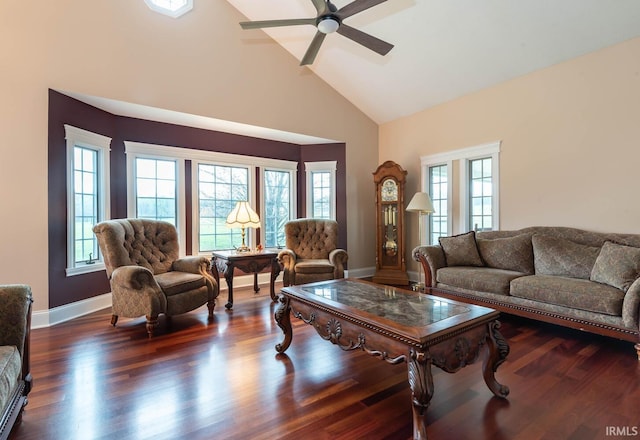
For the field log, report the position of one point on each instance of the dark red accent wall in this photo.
(66, 110)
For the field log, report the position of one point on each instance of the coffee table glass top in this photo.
(406, 308)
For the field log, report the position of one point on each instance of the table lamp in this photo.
(242, 216)
(420, 203)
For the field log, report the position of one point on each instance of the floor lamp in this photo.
(420, 203)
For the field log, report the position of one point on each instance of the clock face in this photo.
(389, 191)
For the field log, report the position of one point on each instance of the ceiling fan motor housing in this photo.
(328, 24)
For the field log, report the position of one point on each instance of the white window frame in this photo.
(157, 6)
(490, 150)
(427, 188)
(322, 166)
(280, 166)
(102, 145)
(464, 156)
(138, 150)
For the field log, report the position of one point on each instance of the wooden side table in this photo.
(248, 262)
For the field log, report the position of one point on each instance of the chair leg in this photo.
(211, 305)
(114, 320)
(152, 322)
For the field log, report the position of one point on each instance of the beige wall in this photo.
(570, 142)
(202, 64)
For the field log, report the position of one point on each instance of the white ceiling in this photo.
(446, 48)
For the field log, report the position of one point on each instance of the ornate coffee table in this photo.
(398, 326)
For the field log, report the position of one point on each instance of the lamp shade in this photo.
(242, 216)
(421, 202)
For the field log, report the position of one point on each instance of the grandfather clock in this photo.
(391, 267)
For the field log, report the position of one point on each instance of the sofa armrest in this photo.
(431, 258)
(192, 264)
(631, 306)
(15, 323)
(338, 257)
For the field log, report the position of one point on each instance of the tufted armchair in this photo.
(311, 253)
(146, 275)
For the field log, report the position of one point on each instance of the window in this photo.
(155, 189)
(478, 190)
(438, 190)
(219, 188)
(321, 193)
(278, 205)
(172, 8)
(480, 194)
(87, 197)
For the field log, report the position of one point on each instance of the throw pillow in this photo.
(562, 257)
(617, 265)
(461, 250)
(509, 253)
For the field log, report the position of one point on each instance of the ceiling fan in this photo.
(330, 19)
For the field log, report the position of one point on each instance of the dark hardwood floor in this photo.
(224, 380)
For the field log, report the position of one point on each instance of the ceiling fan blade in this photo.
(277, 23)
(357, 6)
(320, 5)
(368, 41)
(314, 47)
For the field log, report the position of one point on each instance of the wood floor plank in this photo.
(223, 379)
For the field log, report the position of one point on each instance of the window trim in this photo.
(321, 166)
(102, 145)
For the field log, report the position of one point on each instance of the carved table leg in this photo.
(282, 316)
(228, 275)
(256, 287)
(275, 271)
(421, 383)
(498, 351)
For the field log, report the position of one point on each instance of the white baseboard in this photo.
(57, 315)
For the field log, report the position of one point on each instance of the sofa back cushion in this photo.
(509, 253)
(562, 257)
(461, 250)
(617, 265)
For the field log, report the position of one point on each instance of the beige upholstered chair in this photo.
(147, 277)
(311, 253)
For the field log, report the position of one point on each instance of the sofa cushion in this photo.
(570, 292)
(461, 250)
(173, 283)
(10, 367)
(313, 266)
(617, 265)
(481, 279)
(509, 253)
(562, 257)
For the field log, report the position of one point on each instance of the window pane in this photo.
(219, 188)
(277, 206)
(481, 192)
(85, 203)
(321, 194)
(156, 189)
(438, 190)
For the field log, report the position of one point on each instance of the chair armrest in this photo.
(15, 322)
(133, 277)
(287, 259)
(431, 258)
(631, 306)
(192, 264)
(338, 257)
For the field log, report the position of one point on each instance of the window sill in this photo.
(85, 268)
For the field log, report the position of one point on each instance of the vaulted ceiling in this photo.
(445, 48)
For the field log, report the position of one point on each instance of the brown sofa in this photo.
(15, 376)
(572, 277)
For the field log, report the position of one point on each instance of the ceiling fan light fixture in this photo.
(328, 25)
